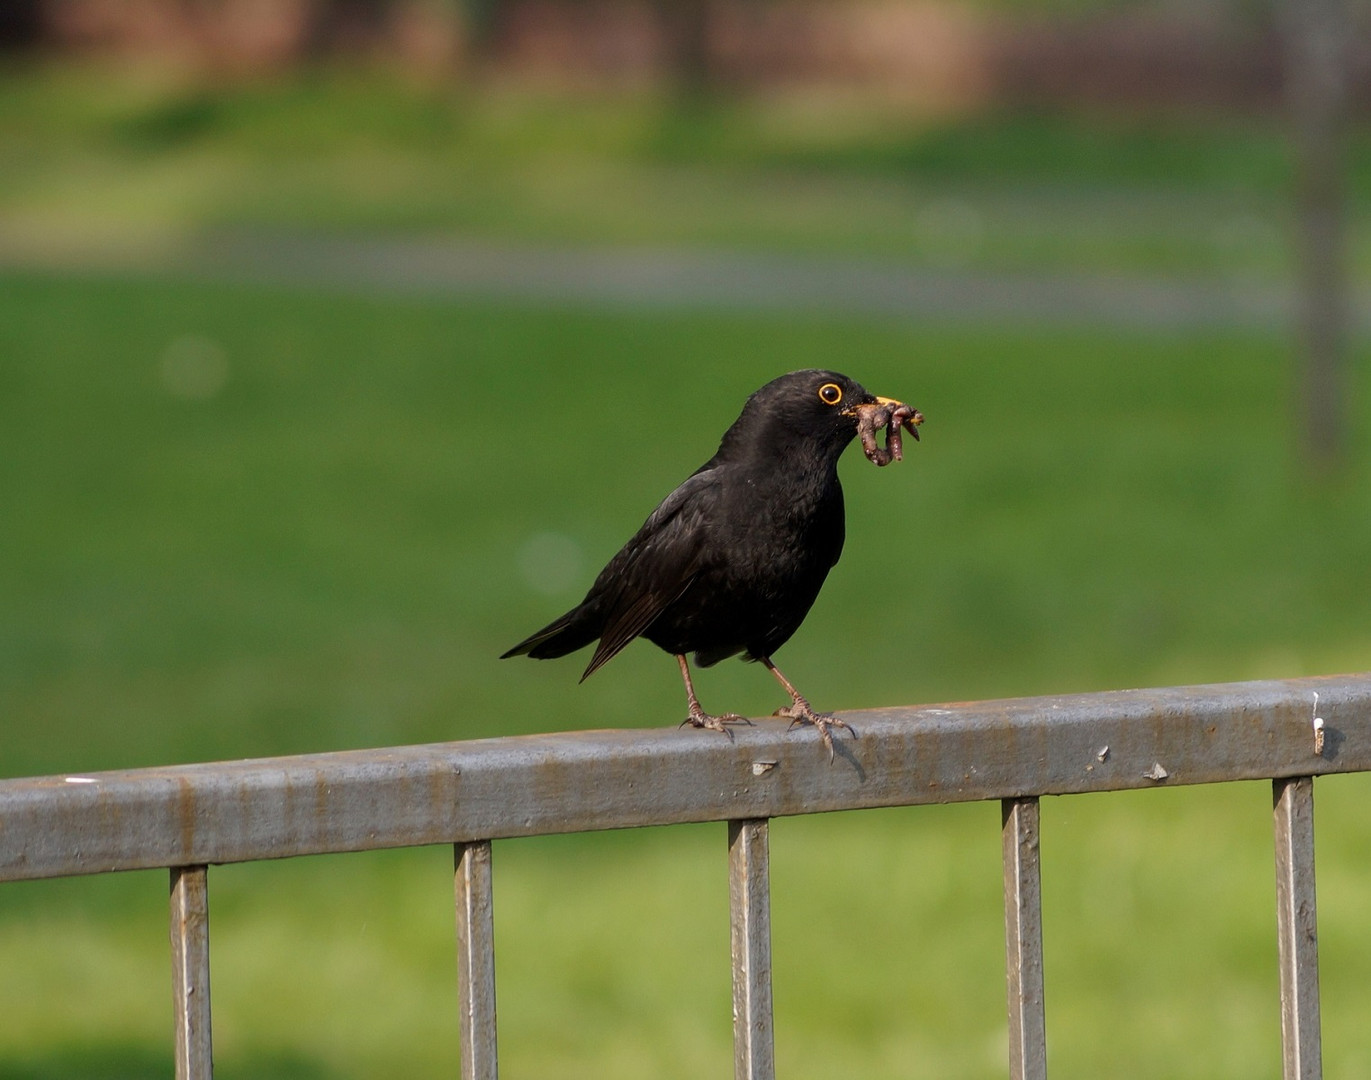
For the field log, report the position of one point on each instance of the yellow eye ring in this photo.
(830, 393)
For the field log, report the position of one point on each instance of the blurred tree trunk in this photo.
(484, 25)
(21, 24)
(1316, 57)
(334, 26)
(684, 26)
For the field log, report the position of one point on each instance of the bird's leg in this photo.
(801, 711)
(698, 717)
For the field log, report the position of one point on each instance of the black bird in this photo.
(732, 560)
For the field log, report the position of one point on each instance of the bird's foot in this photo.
(700, 719)
(803, 713)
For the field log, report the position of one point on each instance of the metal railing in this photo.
(470, 793)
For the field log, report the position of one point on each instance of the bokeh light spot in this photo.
(194, 368)
(550, 563)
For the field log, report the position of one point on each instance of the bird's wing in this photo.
(655, 567)
(565, 634)
(628, 624)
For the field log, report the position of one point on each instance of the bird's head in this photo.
(821, 412)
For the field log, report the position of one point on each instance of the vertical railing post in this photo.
(1297, 927)
(476, 961)
(1023, 938)
(749, 895)
(190, 972)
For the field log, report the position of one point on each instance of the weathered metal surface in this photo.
(1023, 938)
(1297, 928)
(749, 896)
(190, 972)
(476, 961)
(577, 781)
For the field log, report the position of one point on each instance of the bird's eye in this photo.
(830, 393)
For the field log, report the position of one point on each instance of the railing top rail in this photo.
(483, 789)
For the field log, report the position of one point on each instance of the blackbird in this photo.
(732, 560)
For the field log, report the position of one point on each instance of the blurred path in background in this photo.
(665, 278)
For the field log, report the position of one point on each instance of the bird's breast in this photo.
(776, 531)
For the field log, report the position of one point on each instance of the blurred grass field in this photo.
(97, 155)
(242, 521)
(329, 541)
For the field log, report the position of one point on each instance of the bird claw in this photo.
(892, 416)
(701, 719)
(803, 713)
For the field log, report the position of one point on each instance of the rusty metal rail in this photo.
(470, 793)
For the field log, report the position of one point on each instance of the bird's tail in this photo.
(574, 630)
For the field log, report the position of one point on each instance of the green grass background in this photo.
(331, 550)
(143, 158)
